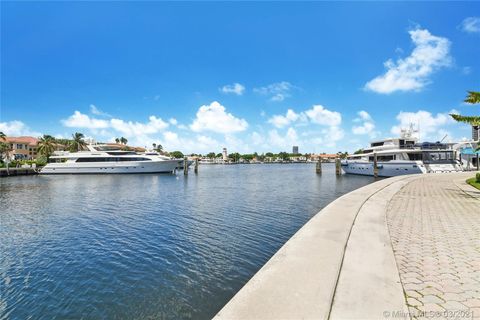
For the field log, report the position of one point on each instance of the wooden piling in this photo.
(318, 166)
(478, 162)
(338, 167)
(185, 166)
(196, 165)
(375, 165)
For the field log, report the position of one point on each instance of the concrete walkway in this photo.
(434, 224)
(379, 252)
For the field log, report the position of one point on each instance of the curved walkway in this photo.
(434, 224)
(341, 265)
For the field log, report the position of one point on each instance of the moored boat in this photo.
(102, 159)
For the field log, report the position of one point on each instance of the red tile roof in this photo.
(26, 140)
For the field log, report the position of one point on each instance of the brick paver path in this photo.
(435, 231)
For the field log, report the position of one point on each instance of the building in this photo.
(225, 154)
(475, 133)
(22, 148)
(324, 157)
(295, 150)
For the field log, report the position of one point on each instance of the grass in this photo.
(473, 182)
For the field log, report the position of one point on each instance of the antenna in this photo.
(444, 137)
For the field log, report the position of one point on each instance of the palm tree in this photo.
(123, 140)
(77, 143)
(4, 150)
(46, 145)
(159, 148)
(117, 140)
(2, 136)
(154, 145)
(473, 97)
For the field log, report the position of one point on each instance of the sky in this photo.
(251, 76)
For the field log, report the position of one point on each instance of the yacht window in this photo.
(415, 156)
(111, 159)
(377, 144)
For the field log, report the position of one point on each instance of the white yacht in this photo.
(108, 159)
(404, 155)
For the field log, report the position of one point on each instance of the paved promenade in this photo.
(402, 248)
(435, 231)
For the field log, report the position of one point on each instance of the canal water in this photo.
(149, 246)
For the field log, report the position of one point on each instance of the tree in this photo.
(473, 97)
(284, 156)
(358, 151)
(117, 140)
(177, 154)
(4, 150)
(234, 156)
(159, 148)
(123, 140)
(2, 136)
(211, 155)
(77, 143)
(269, 154)
(46, 146)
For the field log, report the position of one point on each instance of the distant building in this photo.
(295, 150)
(475, 133)
(224, 154)
(22, 148)
(323, 157)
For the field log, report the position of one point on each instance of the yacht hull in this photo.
(385, 169)
(124, 167)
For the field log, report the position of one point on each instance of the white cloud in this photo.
(412, 73)
(80, 120)
(17, 128)
(213, 117)
(281, 121)
(196, 144)
(286, 142)
(131, 129)
(94, 110)
(320, 115)
(367, 125)
(277, 91)
(137, 130)
(471, 25)
(429, 125)
(235, 88)
(173, 121)
(332, 135)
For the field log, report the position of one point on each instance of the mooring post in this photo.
(375, 165)
(185, 165)
(196, 165)
(478, 163)
(338, 167)
(318, 166)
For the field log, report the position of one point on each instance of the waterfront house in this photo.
(22, 148)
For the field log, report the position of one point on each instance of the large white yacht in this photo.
(109, 159)
(404, 155)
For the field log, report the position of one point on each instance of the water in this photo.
(149, 246)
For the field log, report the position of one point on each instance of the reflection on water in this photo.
(149, 246)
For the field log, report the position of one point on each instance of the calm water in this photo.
(149, 246)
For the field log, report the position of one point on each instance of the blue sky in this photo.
(254, 76)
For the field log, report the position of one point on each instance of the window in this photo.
(110, 159)
(19, 146)
(415, 156)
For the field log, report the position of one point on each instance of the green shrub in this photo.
(477, 177)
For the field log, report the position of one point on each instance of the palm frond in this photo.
(473, 97)
(472, 120)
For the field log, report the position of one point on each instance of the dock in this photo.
(404, 247)
(17, 172)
